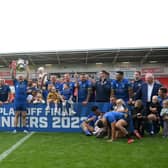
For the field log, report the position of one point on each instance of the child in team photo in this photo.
(164, 115)
(154, 114)
(138, 116)
(53, 97)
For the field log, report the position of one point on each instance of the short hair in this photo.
(105, 72)
(94, 108)
(120, 72)
(100, 124)
(139, 72)
(163, 89)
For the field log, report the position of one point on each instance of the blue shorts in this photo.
(20, 107)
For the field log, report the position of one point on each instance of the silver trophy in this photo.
(21, 64)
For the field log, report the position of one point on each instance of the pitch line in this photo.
(15, 146)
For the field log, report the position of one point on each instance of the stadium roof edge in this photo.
(86, 51)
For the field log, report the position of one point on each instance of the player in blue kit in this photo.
(20, 104)
(54, 81)
(84, 89)
(113, 121)
(88, 124)
(66, 92)
(83, 92)
(121, 87)
(4, 92)
(67, 80)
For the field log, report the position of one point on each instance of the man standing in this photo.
(83, 87)
(148, 89)
(20, 104)
(137, 83)
(102, 89)
(54, 80)
(4, 92)
(121, 87)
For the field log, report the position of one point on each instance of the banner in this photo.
(65, 119)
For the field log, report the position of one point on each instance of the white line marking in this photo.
(15, 146)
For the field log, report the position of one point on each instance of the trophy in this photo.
(41, 76)
(41, 73)
(20, 65)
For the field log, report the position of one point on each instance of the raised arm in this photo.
(27, 72)
(13, 74)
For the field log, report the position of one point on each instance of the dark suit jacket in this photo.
(143, 92)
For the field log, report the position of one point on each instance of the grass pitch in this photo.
(75, 150)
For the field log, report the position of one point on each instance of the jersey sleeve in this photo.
(113, 84)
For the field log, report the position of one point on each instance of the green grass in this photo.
(75, 150)
(7, 139)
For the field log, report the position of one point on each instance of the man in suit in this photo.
(148, 89)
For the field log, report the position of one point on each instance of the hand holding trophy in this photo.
(21, 64)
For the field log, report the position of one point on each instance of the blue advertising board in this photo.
(39, 119)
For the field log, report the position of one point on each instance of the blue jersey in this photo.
(136, 86)
(83, 90)
(45, 94)
(67, 93)
(70, 84)
(4, 91)
(121, 89)
(92, 123)
(113, 116)
(103, 90)
(31, 89)
(20, 91)
(57, 85)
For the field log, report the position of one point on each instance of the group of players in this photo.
(126, 106)
(135, 108)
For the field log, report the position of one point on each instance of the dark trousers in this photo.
(165, 127)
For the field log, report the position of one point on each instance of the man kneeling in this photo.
(114, 121)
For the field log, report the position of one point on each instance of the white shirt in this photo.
(149, 90)
(37, 101)
(29, 98)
